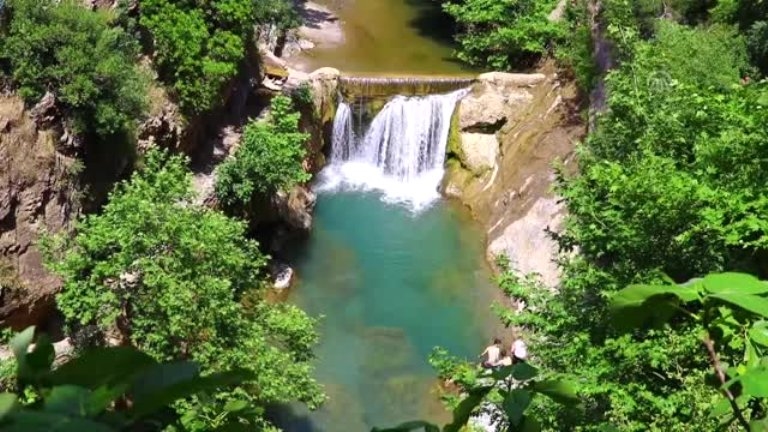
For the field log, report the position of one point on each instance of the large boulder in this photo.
(295, 207)
(482, 111)
(479, 151)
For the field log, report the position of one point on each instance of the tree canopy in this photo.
(182, 282)
(88, 64)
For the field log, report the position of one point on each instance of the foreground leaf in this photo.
(560, 391)
(738, 283)
(462, 412)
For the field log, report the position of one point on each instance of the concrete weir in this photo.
(352, 87)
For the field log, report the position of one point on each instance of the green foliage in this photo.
(83, 394)
(302, 95)
(182, 282)
(199, 46)
(757, 45)
(268, 159)
(77, 55)
(668, 189)
(730, 312)
(503, 35)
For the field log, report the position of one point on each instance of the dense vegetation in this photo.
(199, 46)
(268, 159)
(670, 187)
(88, 64)
(181, 282)
(503, 34)
(82, 393)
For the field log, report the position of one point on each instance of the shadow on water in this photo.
(431, 22)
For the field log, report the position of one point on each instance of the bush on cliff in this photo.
(74, 53)
(199, 46)
(269, 158)
(182, 282)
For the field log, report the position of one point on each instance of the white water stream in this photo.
(401, 154)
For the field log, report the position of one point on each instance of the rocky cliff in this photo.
(505, 136)
(38, 194)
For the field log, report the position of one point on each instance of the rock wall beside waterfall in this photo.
(38, 194)
(506, 135)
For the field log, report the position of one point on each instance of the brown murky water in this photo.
(384, 37)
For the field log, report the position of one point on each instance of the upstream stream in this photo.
(393, 268)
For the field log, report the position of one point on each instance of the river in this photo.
(393, 269)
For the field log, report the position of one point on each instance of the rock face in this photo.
(508, 132)
(37, 189)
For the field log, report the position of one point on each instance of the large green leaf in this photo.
(7, 404)
(530, 424)
(755, 304)
(152, 402)
(639, 305)
(41, 358)
(42, 421)
(561, 391)
(635, 295)
(20, 344)
(102, 367)
(515, 403)
(754, 381)
(740, 283)
(462, 412)
(523, 371)
(759, 333)
(410, 426)
(160, 376)
(68, 399)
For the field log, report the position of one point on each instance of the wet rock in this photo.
(282, 276)
(295, 207)
(479, 151)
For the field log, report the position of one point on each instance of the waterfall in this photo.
(400, 153)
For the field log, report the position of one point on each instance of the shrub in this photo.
(199, 46)
(171, 278)
(503, 35)
(76, 54)
(268, 159)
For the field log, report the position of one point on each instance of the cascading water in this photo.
(401, 153)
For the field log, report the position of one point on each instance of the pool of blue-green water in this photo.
(390, 285)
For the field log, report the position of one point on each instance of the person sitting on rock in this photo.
(491, 353)
(519, 350)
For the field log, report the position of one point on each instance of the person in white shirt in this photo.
(491, 353)
(519, 351)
